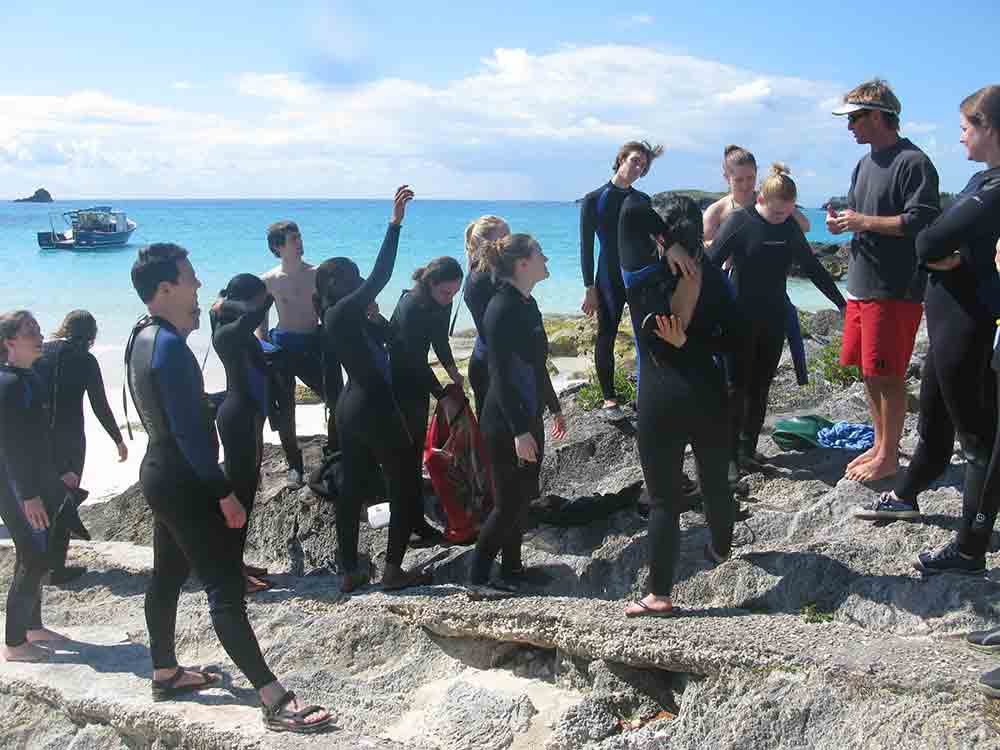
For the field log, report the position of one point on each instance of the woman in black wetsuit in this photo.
(242, 306)
(764, 240)
(479, 290)
(370, 425)
(682, 326)
(30, 488)
(69, 371)
(520, 389)
(957, 390)
(420, 321)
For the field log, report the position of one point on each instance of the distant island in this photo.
(41, 196)
(703, 198)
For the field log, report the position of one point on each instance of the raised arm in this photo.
(99, 400)
(359, 300)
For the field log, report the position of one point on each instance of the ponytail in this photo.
(779, 185)
(502, 255)
(484, 229)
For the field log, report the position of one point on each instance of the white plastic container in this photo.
(378, 515)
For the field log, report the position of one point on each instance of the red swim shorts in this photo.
(879, 335)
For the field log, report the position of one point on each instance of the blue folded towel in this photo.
(852, 437)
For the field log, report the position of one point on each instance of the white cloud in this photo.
(523, 125)
(181, 85)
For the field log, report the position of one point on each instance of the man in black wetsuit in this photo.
(605, 290)
(191, 500)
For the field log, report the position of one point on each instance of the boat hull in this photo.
(83, 240)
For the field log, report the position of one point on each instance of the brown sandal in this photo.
(280, 718)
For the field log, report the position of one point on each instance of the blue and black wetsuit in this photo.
(241, 415)
(520, 389)
(479, 290)
(182, 483)
(684, 400)
(370, 426)
(599, 214)
(762, 253)
(26, 472)
(957, 396)
(69, 371)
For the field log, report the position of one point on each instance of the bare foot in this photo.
(880, 468)
(45, 635)
(26, 652)
(650, 605)
(864, 458)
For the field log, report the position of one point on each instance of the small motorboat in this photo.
(99, 226)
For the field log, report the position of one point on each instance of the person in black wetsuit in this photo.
(371, 427)
(764, 240)
(69, 371)
(605, 290)
(520, 389)
(479, 290)
(420, 321)
(242, 306)
(195, 511)
(684, 322)
(957, 390)
(30, 489)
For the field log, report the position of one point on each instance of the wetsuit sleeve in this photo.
(922, 199)
(588, 228)
(181, 396)
(358, 301)
(728, 240)
(247, 317)
(953, 229)
(439, 338)
(23, 465)
(99, 400)
(501, 336)
(815, 270)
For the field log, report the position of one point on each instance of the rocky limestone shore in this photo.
(815, 634)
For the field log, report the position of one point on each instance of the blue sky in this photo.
(506, 100)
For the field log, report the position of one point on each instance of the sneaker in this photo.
(294, 480)
(948, 559)
(985, 640)
(989, 684)
(887, 507)
(612, 414)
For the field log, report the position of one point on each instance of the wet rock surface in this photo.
(816, 633)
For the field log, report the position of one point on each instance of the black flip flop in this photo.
(166, 689)
(278, 718)
(648, 612)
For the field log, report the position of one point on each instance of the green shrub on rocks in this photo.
(590, 396)
(826, 365)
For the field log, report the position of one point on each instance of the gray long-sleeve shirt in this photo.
(896, 181)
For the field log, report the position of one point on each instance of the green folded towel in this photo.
(799, 433)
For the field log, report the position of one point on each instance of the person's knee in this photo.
(226, 595)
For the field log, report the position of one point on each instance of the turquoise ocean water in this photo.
(227, 237)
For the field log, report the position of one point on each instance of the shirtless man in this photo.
(292, 284)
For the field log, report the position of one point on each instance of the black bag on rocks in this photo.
(326, 480)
